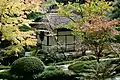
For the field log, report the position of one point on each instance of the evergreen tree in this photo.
(114, 13)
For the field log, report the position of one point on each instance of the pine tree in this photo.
(114, 13)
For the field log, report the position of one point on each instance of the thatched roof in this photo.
(57, 21)
(53, 20)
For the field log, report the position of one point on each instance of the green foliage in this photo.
(114, 13)
(85, 58)
(49, 56)
(24, 28)
(49, 2)
(117, 36)
(88, 10)
(90, 26)
(27, 66)
(96, 71)
(55, 73)
(118, 27)
(5, 75)
(13, 14)
(34, 15)
(82, 66)
(13, 50)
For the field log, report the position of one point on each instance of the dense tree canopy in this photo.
(93, 29)
(13, 14)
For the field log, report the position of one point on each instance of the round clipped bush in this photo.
(27, 66)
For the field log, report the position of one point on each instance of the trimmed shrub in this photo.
(56, 73)
(82, 66)
(93, 70)
(85, 58)
(27, 66)
(52, 72)
(5, 75)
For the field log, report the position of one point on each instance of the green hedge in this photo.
(92, 69)
(55, 73)
(52, 72)
(6, 75)
(82, 66)
(27, 66)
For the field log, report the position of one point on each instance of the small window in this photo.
(66, 40)
(51, 40)
(61, 39)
